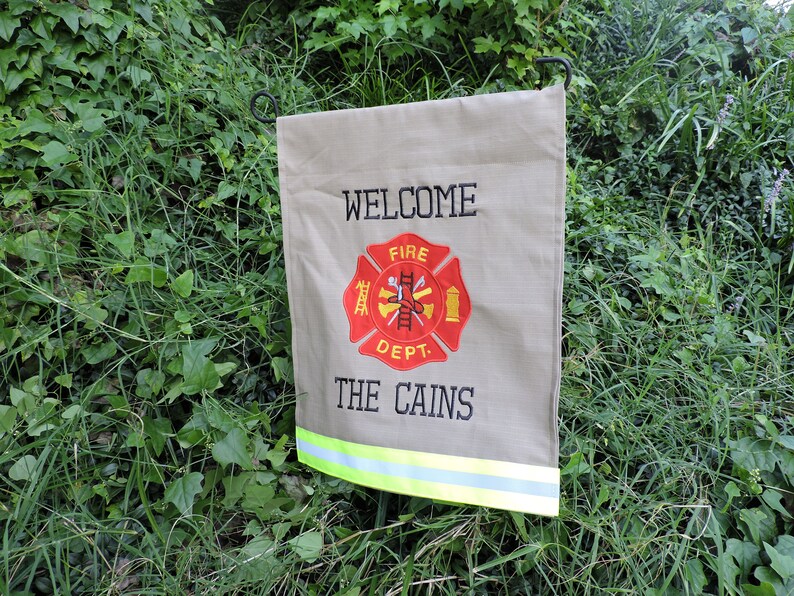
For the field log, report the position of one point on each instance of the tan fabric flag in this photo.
(424, 253)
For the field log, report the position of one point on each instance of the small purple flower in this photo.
(726, 108)
(778, 186)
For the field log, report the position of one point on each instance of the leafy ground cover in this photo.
(146, 432)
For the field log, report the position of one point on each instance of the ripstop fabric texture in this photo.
(424, 255)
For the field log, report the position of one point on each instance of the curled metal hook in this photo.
(259, 116)
(562, 61)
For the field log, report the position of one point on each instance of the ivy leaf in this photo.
(233, 487)
(758, 523)
(182, 491)
(149, 382)
(257, 496)
(23, 469)
(767, 577)
(90, 117)
(233, 449)
(54, 153)
(8, 25)
(282, 369)
(198, 371)
(138, 75)
(158, 430)
(753, 454)
(744, 553)
(782, 556)
(69, 14)
(307, 546)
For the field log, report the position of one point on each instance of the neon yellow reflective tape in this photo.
(434, 460)
(437, 490)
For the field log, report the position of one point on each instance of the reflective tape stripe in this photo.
(433, 460)
(348, 463)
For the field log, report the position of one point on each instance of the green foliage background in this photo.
(146, 430)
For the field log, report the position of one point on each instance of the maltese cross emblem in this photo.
(411, 298)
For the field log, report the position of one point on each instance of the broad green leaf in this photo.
(96, 353)
(55, 152)
(258, 551)
(64, 380)
(23, 469)
(98, 65)
(144, 270)
(307, 546)
(23, 401)
(100, 5)
(68, 12)
(35, 121)
(16, 196)
(233, 449)
(183, 285)
(73, 411)
(14, 78)
(765, 575)
(282, 369)
(158, 243)
(7, 57)
(576, 466)
(158, 430)
(696, 576)
(8, 415)
(119, 404)
(225, 190)
(754, 339)
(8, 25)
(774, 500)
(759, 524)
(138, 75)
(746, 554)
(182, 491)
(91, 118)
(135, 439)
(34, 246)
(17, 7)
(224, 368)
(763, 589)
(781, 557)
(93, 316)
(200, 375)
(256, 496)
(233, 487)
(276, 457)
(193, 432)
(182, 316)
(149, 383)
(753, 454)
(198, 371)
(786, 441)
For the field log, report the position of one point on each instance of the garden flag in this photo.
(424, 255)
